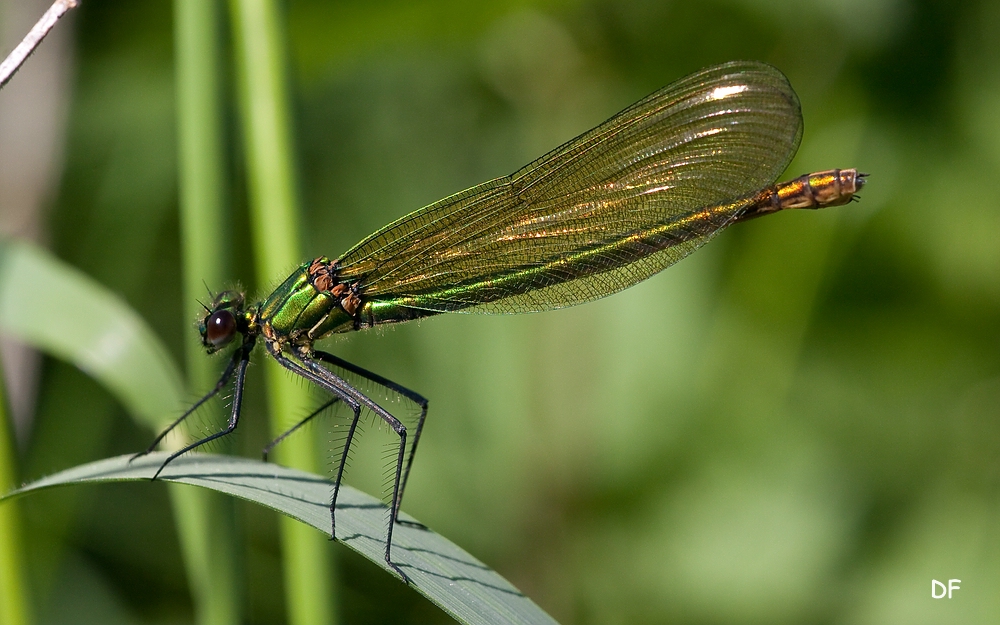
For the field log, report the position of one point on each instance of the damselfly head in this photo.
(223, 320)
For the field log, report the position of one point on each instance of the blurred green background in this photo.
(798, 424)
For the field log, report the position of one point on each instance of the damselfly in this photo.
(592, 217)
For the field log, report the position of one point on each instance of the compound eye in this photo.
(220, 328)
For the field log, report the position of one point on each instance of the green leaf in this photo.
(462, 586)
(64, 312)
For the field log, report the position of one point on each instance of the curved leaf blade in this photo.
(66, 313)
(449, 577)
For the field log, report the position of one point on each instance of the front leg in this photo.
(234, 417)
(223, 380)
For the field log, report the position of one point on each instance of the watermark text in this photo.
(945, 591)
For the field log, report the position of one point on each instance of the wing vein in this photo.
(599, 213)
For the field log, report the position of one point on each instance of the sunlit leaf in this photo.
(62, 311)
(462, 586)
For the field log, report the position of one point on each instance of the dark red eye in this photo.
(220, 328)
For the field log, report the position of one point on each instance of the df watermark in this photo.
(939, 590)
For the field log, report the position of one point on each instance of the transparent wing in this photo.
(599, 213)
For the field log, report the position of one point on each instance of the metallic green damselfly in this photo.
(596, 215)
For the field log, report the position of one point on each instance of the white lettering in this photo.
(934, 585)
(953, 584)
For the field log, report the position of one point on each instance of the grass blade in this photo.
(205, 520)
(462, 586)
(15, 606)
(310, 591)
(64, 312)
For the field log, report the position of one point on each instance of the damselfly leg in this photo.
(311, 369)
(356, 417)
(234, 416)
(223, 380)
(413, 396)
(315, 413)
(238, 364)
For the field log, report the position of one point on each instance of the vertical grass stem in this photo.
(15, 606)
(263, 92)
(205, 520)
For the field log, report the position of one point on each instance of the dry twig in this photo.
(34, 37)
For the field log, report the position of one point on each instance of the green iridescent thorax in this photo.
(297, 311)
